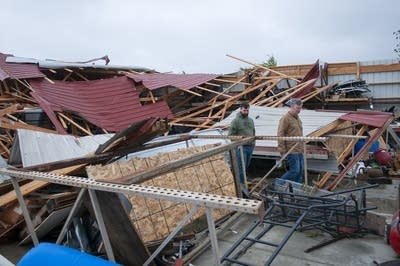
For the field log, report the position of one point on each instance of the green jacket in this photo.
(242, 126)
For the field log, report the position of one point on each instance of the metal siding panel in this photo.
(39, 148)
(268, 119)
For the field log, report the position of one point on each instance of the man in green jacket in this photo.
(243, 125)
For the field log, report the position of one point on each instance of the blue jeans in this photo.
(247, 152)
(296, 168)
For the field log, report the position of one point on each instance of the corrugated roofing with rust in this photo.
(112, 104)
(180, 81)
(18, 71)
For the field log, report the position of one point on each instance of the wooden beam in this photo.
(264, 92)
(81, 76)
(192, 92)
(75, 124)
(232, 81)
(4, 148)
(263, 67)
(14, 125)
(213, 84)
(32, 186)
(67, 76)
(49, 80)
(215, 92)
(321, 183)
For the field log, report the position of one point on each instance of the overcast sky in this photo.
(195, 36)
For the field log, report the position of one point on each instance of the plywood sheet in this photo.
(155, 219)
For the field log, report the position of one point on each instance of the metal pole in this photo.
(243, 166)
(171, 235)
(71, 215)
(213, 236)
(102, 227)
(25, 212)
(305, 164)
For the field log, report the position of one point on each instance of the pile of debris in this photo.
(85, 133)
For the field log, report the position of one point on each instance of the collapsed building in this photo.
(94, 132)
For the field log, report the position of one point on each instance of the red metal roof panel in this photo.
(18, 71)
(112, 104)
(181, 81)
(375, 119)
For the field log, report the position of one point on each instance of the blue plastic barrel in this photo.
(360, 143)
(47, 254)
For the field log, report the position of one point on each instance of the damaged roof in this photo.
(181, 81)
(375, 119)
(55, 64)
(112, 104)
(17, 71)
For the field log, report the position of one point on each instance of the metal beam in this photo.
(25, 212)
(195, 198)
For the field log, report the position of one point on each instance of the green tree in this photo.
(270, 62)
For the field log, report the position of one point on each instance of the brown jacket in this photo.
(290, 126)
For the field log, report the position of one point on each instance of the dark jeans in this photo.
(247, 152)
(296, 168)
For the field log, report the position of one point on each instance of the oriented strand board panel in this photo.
(337, 144)
(155, 219)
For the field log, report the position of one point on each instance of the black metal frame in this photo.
(300, 208)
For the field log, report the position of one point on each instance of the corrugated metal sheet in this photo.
(52, 64)
(111, 104)
(181, 81)
(375, 119)
(179, 145)
(18, 71)
(266, 120)
(34, 147)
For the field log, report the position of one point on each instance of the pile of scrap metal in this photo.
(351, 89)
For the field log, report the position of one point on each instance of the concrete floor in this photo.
(359, 251)
(354, 251)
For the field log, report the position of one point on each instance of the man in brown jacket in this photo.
(289, 126)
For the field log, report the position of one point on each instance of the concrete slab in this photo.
(359, 251)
